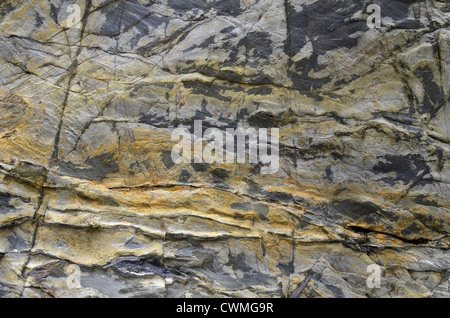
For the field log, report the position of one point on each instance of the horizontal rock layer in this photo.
(87, 178)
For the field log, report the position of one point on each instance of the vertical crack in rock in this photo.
(72, 72)
(36, 220)
(288, 33)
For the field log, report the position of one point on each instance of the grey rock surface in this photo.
(92, 203)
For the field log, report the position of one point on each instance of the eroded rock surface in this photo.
(87, 178)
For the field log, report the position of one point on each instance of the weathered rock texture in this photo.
(86, 175)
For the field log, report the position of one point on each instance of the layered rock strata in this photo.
(87, 180)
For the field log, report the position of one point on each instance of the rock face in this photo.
(93, 205)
